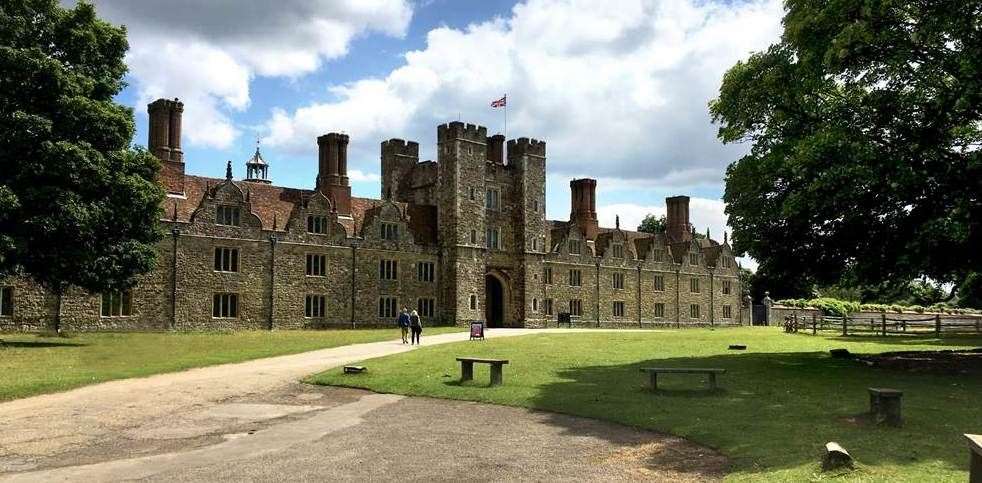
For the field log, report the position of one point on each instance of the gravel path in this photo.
(253, 421)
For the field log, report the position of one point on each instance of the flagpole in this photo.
(504, 149)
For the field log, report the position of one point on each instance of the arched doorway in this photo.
(494, 306)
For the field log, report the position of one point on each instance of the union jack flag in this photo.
(500, 102)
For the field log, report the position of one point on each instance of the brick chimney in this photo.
(496, 149)
(677, 225)
(584, 206)
(165, 142)
(332, 170)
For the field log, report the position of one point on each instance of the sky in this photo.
(618, 90)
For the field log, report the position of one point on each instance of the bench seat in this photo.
(482, 361)
(467, 368)
(710, 371)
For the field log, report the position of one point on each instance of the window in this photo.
(535, 305)
(694, 285)
(659, 255)
(114, 304)
(547, 275)
(387, 307)
(492, 239)
(227, 215)
(618, 280)
(726, 262)
(659, 283)
(575, 278)
(535, 244)
(314, 307)
(316, 224)
(727, 311)
(618, 309)
(425, 271)
(493, 199)
(388, 269)
(693, 259)
(425, 307)
(547, 306)
(472, 194)
(617, 251)
(694, 311)
(389, 231)
(473, 302)
(225, 305)
(574, 247)
(226, 259)
(659, 310)
(535, 206)
(316, 265)
(6, 301)
(576, 307)
(727, 287)
(473, 237)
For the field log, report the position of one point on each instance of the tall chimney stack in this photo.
(165, 141)
(584, 206)
(677, 225)
(332, 170)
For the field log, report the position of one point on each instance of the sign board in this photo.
(477, 329)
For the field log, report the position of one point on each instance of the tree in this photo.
(864, 126)
(657, 224)
(78, 206)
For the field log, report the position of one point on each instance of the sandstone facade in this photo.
(461, 238)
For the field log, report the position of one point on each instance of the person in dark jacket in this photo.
(404, 324)
(416, 326)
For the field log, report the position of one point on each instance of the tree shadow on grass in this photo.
(26, 344)
(914, 340)
(775, 411)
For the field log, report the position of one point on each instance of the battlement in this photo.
(526, 146)
(399, 147)
(332, 137)
(459, 130)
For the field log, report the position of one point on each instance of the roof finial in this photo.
(228, 170)
(726, 239)
(617, 221)
(707, 234)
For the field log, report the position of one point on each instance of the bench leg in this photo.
(654, 380)
(496, 374)
(712, 381)
(466, 371)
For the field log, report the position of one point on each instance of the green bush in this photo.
(916, 308)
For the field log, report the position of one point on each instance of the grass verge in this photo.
(782, 399)
(31, 365)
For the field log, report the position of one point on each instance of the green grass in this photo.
(783, 398)
(32, 365)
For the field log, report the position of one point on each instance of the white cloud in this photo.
(617, 92)
(358, 175)
(206, 53)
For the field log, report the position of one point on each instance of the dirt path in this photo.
(253, 421)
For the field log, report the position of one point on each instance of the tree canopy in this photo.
(78, 205)
(865, 130)
(658, 224)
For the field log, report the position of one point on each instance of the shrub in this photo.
(897, 308)
(916, 308)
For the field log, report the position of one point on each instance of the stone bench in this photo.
(654, 371)
(975, 464)
(885, 405)
(467, 368)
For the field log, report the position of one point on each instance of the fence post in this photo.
(814, 325)
(937, 324)
(884, 318)
(845, 329)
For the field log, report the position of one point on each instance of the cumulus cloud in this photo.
(207, 53)
(616, 92)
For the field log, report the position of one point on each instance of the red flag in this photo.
(500, 102)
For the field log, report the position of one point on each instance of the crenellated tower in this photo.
(399, 158)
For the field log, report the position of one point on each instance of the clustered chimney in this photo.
(165, 141)
(584, 206)
(677, 225)
(332, 170)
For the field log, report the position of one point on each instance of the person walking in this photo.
(416, 326)
(404, 324)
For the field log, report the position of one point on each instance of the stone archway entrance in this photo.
(495, 296)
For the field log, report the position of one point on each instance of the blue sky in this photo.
(619, 93)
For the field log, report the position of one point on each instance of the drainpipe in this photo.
(678, 300)
(272, 278)
(354, 249)
(638, 306)
(598, 292)
(712, 299)
(175, 233)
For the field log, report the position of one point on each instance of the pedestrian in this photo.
(404, 324)
(416, 326)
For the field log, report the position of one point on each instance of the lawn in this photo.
(782, 399)
(32, 365)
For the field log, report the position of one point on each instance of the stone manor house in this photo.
(461, 238)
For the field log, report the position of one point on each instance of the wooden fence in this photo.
(883, 325)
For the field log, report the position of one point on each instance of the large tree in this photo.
(865, 127)
(78, 206)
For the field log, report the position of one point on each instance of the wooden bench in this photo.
(654, 371)
(975, 461)
(467, 368)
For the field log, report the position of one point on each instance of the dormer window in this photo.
(693, 259)
(227, 215)
(389, 231)
(618, 251)
(575, 248)
(317, 224)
